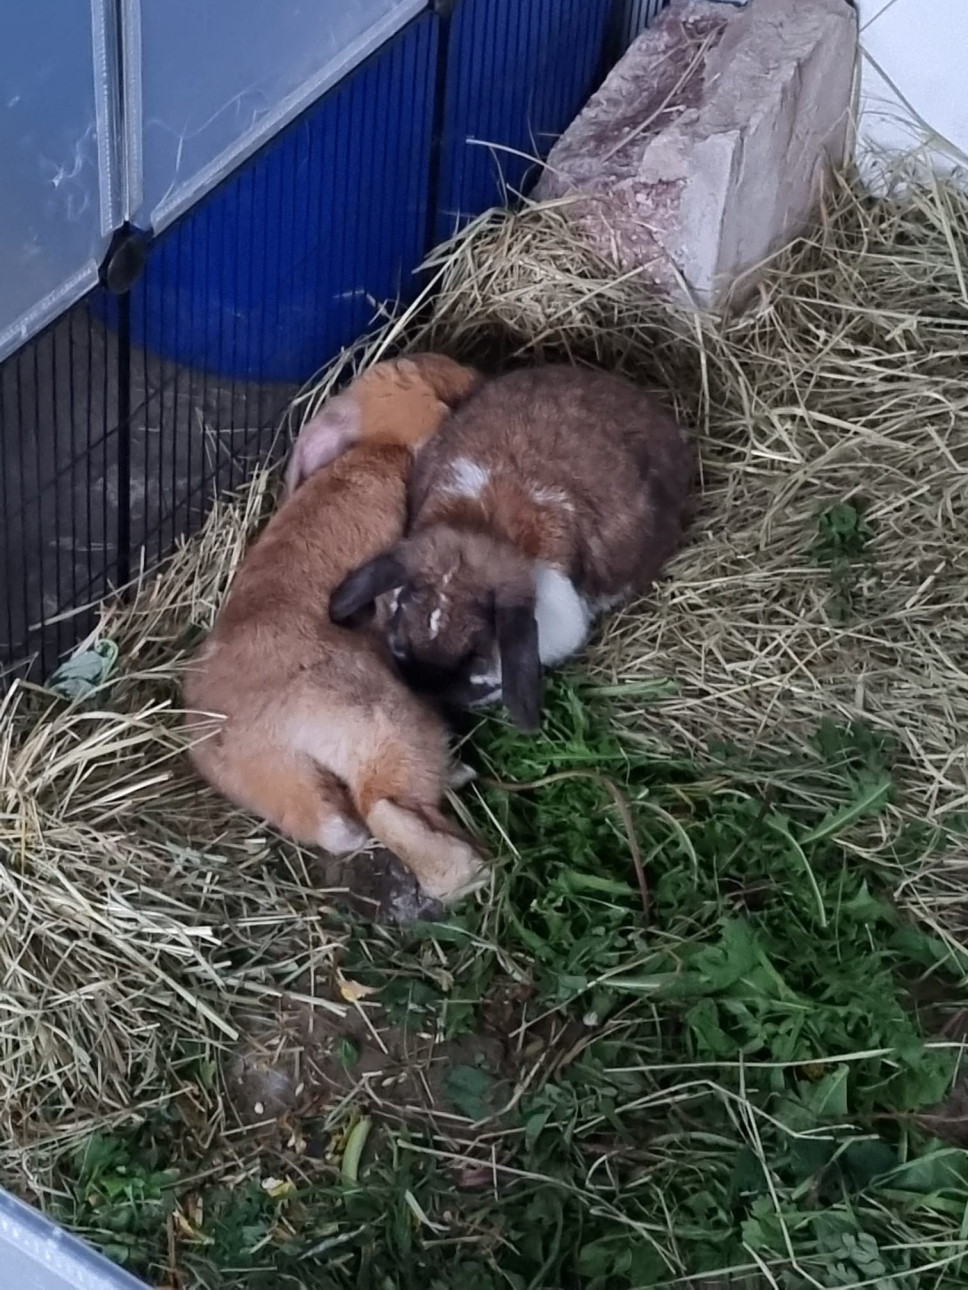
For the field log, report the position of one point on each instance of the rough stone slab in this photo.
(705, 149)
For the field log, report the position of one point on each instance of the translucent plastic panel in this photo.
(58, 204)
(210, 80)
(36, 1255)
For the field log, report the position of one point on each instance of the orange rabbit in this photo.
(309, 726)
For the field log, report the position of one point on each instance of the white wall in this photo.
(914, 83)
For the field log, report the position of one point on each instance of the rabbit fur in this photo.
(307, 724)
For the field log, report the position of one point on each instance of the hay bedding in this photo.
(846, 385)
(146, 921)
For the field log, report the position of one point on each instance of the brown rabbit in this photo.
(550, 495)
(313, 730)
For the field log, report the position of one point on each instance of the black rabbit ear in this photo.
(517, 641)
(353, 600)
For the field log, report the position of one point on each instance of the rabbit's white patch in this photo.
(467, 478)
(563, 616)
(486, 686)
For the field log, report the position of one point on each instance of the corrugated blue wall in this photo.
(269, 276)
(288, 261)
(636, 15)
(517, 73)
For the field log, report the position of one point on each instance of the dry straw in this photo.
(143, 917)
(145, 920)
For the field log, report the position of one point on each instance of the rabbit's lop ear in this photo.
(322, 439)
(517, 641)
(353, 600)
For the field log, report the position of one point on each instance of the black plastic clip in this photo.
(125, 260)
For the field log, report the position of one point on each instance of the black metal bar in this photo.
(122, 267)
(173, 432)
(124, 438)
(104, 455)
(444, 9)
(33, 351)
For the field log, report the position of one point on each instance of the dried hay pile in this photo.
(146, 921)
(826, 575)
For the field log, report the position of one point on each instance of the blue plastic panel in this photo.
(518, 73)
(289, 259)
(636, 16)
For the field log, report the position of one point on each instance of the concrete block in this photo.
(705, 149)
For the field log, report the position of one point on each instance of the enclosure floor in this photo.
(706, 1025)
